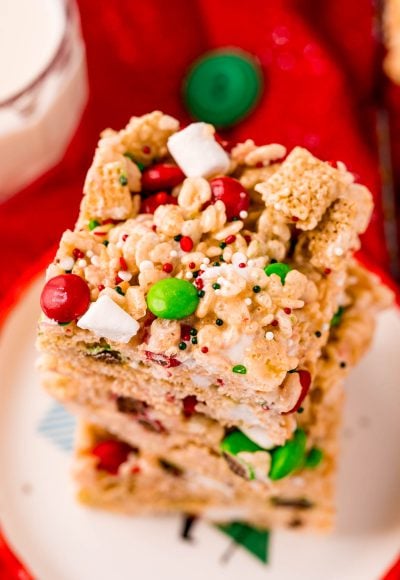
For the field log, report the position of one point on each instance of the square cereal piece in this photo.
(303, 188)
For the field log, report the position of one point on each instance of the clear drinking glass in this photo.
(38, 121)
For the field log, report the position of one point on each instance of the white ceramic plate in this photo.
(60, 540)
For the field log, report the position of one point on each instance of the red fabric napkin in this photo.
(319, 62)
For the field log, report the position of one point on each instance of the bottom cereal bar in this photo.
(138, 459)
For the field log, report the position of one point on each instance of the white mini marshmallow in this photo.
(259, 436)
(196, 151)
(108, 320)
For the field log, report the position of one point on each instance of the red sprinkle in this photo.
(167, 267)
(242, 265)
(185, 331)
(248, 239)
(189, 405)
(111, 454)
(135, 469)
(204, 349)
(124, 237)
(230, 239)
(186, 244)
(100, 233)
(163, 360)
(123, 264)
(287, 310)
(327, 271)
(118, 280)
(154, 227)
(220, 382)
(110, 221)
(274, 323)
(100, 287)
(146, 149)
(295, 219)
(77, 253)
(192, 265)
(199, 283)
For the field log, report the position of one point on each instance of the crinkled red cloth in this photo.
(319, 60)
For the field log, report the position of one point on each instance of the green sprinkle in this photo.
(123, 179)
(337, 317)
(221, 258)
(222, 245)
(182, 345)
(216, 264)
(140, 165)
(201, 293)
(289, 457)
(172, 298)
(193, 332)
(194, 340)
(256, 289)
(219, 322)
(119, 290)
(240, 369)
(236, 442)
(105, 243)
(178, 238)
(93, 224)
(216, 286)
(314, 458)
(278, 268)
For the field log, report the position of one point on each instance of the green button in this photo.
(223, 87)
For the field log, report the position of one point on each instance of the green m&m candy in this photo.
(236, 442)
(172, 298)
(223, 86)
(288, 457)
(314, 458)
(278, 268)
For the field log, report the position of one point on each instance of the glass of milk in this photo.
(43, 87)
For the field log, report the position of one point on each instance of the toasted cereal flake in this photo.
(304, 187)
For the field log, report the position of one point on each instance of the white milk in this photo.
(36, 128)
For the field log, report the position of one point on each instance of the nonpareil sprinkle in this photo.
(239, 369)
(256, 289)
(201, 293)
(119, 290)
(216, 286)
(93, 224)
(182, 346)
(123, 179)
(219, 322)
(194, 340)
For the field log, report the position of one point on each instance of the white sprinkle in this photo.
(81, 263)
(247, 301)
(205, 261)
(124, 275)
(338, 251)
(243, 215)
(67, 263)
(269, 335)
(277, 206)
(325, 327)
(89, 254)
(95, 260)
(146, 265)
(189, 275)
(238, 258)
(173, 253)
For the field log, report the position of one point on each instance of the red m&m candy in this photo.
(305, 382)
(111, 454)
(65, 297)
(150, 204)
(161, 176)
(235, 197)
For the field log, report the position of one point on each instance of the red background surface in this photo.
(323, 88)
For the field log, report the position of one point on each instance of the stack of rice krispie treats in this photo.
(201, 318)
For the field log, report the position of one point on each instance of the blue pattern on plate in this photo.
(58, 426)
